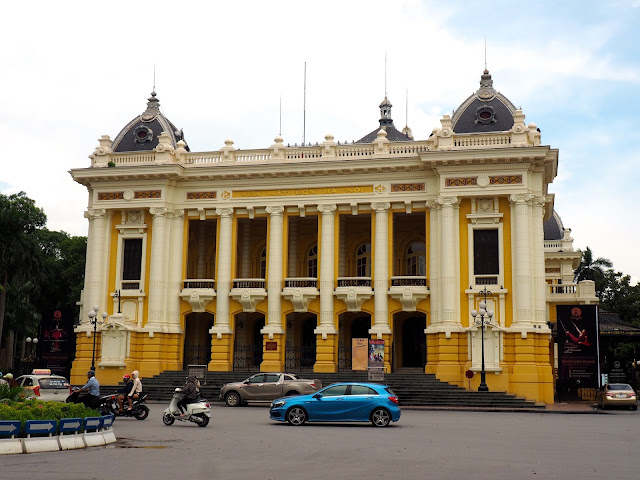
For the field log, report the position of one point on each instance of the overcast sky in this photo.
(72, 71)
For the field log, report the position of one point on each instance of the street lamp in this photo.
(479, 319)
(93, 320)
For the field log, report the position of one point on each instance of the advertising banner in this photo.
(359, 349)
(376, 353)
(578, 365)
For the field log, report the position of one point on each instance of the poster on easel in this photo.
(359, 351)
(376, 353)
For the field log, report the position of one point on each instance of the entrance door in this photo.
(197, 339)
(414, 343)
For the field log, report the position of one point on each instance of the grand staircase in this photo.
(413, 389)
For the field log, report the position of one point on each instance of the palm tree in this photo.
(590, 269)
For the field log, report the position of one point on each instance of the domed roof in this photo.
(142, 133)
(553, 228)
(484, 111)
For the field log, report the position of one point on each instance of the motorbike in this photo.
(198, 412)
(139, 409)
(102, 403)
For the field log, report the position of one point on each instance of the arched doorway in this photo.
(197, 339)
(414, 342)
(247, 347)
(352, 325)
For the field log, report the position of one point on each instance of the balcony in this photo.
(248, 292)
(354, 291)
(409, 290)
(300, 291)
(198, 292)
(583, 292)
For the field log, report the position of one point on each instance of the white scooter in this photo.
(198, 412)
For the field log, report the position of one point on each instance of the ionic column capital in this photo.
(158, 211)
(521, 198)
(275, 211)
(447, 201)
(224, 212)
(327, 209)
(94, 213)
(379, 207)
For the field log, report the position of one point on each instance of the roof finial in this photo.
(485, 54)
(154, 78)
(385, 74)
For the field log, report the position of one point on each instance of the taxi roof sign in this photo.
(41, 371)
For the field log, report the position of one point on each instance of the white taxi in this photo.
(45, 386)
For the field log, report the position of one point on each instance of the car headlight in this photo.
(278, 404)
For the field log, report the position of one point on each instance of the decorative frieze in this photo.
(407, 187)
(506, 180)
(110, 195)
(128, 196)
(461, 182)
(148, 194)
(201, 195)
(482, 181)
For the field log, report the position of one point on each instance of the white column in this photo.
(540, 290)
(159, 269)
(274, 275)
(449, 273)
(175, 271)
(434, 261)
(96, 267)
(223, 277)
(522, 264)
(381, 270)
(342, 247)
(326, 283)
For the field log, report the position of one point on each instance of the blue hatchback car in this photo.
(340, 402)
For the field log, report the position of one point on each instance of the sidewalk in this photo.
(560, 407)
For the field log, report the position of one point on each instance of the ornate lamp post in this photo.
(482, 318)
(93, 320)
(117, 295)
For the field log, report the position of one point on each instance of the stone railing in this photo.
(482, 141)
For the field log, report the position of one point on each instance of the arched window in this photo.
(263, 263)
(417, 259)
(363, 260)
(312, 262)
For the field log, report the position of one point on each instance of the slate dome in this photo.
(486, 110)
(141, 133)
(553, 228)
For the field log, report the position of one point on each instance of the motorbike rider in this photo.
(9, 379)
(124, 391)
(92, 387)
(136, 388)
(189, 392)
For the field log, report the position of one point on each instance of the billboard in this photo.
(578, 365)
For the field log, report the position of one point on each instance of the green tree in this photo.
(593, 269)
(20, 252)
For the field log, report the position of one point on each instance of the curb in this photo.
(98, 432)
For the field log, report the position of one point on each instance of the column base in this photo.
(326, 353)
(273, 355)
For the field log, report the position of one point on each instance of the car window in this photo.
(257, 378)
(54, 383)
(389, 391)
(28, 382)
(335, 391)
(362, 390)
(271, 378)
(290, 378)
(620, 386)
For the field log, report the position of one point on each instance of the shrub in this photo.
(31, 409)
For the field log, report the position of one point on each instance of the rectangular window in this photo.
(132, 259)
(486, 259)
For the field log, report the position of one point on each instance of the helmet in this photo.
(91, 373)
(9, 376)
(127, 376)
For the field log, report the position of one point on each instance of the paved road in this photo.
(241, 443)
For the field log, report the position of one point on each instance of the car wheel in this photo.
(296, 416)
(142, 413)
(204, 420)
(168, 419)
(380, 417)
(232, 399)
(292, 393)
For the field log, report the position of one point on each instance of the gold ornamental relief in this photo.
(407, 187)
(288, 192)
(460, 182)
(505, 180)
(148, 194)
(201, 195)
(110, 195)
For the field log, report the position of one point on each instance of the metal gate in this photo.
(246, 357)
(299, 358)
(344, 358)
(197, 354)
